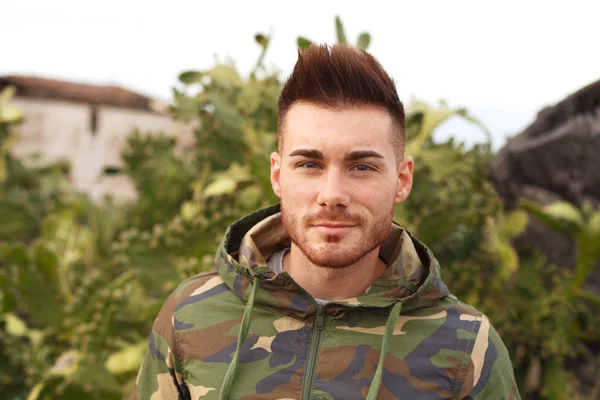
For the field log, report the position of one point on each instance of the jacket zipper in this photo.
(309, 372)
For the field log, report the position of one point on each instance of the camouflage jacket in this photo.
(242, 332)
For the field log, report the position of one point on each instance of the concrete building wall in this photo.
(90, 138)
(54, 129)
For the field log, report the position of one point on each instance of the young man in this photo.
(323, 296)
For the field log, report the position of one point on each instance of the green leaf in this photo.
(430, 118)
(186, 107)
(190, 77)
(590, 297)
(548, 219)
(38, 297)
(363, 41)
(67, 364)
(226, 75)
(500, 232)
(227, 116)
(238, 172)
(154, 267)
(442, 161)
(250, 197)
(3, 171)
(226, 182)
(189, 210)
(588, 255)
(6, 94)
(10, 114)
(15, 325)
(303, 42)
(513, 224)
(262, 40)
(96, 377)
(509, 260)
(17, 255)
(220, 186)
(565, 211)
(339, 31)
(594, 224)
(127, 360)
(7, 299)
(47, 264)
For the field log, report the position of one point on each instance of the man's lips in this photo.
(333, 225)
(332, 228)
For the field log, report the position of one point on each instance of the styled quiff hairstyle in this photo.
(338, 77)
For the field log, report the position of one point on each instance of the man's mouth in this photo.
(333, 228)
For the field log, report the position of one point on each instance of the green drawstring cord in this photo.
(231, 370)
(387, 338)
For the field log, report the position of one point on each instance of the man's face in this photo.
(338, 179)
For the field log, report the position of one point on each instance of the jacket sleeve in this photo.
(490, 374)
(160, 375)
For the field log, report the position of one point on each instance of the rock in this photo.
(555, 158)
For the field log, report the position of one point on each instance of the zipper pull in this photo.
(320, 320)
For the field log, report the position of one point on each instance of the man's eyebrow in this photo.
(308, 153)
(352, 156)
(360, 154)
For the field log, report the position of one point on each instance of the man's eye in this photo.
(308, 165)
(363, 167)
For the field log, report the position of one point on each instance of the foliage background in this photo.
(80, 283)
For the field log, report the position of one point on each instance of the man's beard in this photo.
(324, 255)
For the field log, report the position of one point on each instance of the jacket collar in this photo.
(412, 274)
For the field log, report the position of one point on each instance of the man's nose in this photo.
(333, 190)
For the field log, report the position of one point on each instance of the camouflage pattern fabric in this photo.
(440, 348)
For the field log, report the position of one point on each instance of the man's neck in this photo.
(333, 283)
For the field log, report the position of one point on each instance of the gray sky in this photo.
(503, 60)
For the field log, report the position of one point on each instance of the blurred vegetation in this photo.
(80, 283)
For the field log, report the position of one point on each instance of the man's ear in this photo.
(405, 179)
(275, 173)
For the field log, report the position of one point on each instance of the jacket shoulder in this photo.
(488, 372)
(197, 280)
(194, 285)
(177, 298)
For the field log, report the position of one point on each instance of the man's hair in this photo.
(338, 77)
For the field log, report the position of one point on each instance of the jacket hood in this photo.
(412, 275)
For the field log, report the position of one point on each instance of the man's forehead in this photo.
(336, 141)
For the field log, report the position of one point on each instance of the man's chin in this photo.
(332, 262)
(332, 255)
